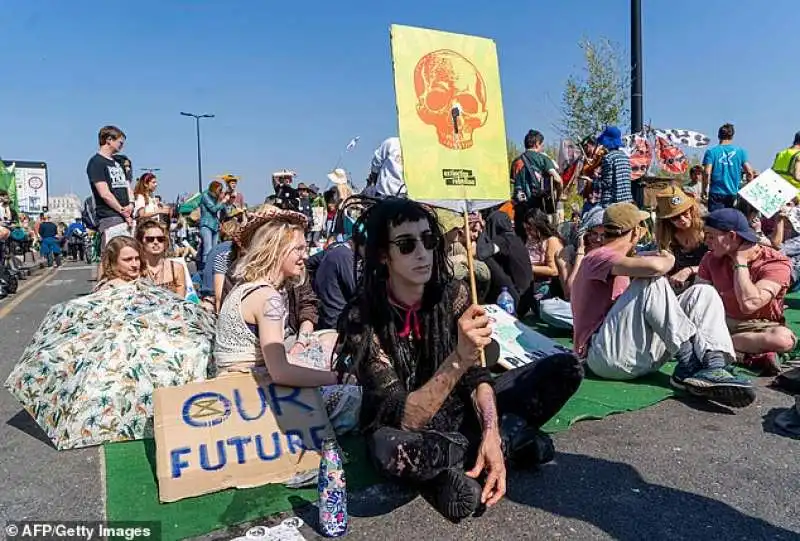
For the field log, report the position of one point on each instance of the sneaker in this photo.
(719, 385)
(523, 445)
(455, 495)
(767, 364)
(679, 375)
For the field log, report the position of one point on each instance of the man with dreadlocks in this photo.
(429, 409)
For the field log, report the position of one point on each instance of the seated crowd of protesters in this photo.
(386, 305)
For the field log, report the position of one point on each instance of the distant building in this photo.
(64, 208)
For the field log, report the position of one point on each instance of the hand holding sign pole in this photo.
(473, 289)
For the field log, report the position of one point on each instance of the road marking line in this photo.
(26, 292)
(83, 267)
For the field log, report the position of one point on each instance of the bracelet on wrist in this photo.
(741, 266)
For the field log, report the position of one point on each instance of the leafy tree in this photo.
(512, 151)
(598, 96)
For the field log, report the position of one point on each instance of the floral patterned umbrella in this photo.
(88, 375)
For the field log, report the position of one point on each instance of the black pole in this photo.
(637, 114)
(199, 159)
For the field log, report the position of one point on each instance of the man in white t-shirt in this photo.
(387, 169)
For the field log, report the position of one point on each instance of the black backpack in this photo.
(88, 215)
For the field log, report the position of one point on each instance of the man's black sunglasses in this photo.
(406, 245)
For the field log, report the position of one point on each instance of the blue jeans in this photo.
(718, 201)
(209, 239)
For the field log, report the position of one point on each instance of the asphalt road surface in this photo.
(679, 470)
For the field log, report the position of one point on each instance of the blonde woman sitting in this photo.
(251, 326)
(252, 323)
(679, 229)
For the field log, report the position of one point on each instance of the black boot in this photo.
(524, 446)
(455, 495)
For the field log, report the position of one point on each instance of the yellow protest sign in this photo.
(450, 112)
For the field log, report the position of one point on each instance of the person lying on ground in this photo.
(154, 242)
(628, 321)
(122, 263)
(557, 311)
(255, 323)
(752, 280)
(679, 230)
(432, 415)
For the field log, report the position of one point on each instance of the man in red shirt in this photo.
(628, 321)
(752, 280)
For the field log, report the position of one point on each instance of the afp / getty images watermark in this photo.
(44, 530)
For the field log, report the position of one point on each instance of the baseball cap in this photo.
(731, 220)
(622, 217)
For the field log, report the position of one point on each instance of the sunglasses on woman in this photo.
(148, 239)
(406, 245)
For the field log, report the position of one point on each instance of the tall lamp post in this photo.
(637, 115)
(199, 159)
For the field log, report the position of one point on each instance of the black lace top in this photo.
(387, 380)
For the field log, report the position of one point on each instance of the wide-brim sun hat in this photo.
(338, 176)
(265, 214)
(672, 202)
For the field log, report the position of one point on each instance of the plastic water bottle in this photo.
(506, 301)
(333, 518)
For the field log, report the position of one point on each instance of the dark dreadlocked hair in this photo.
(370, 315)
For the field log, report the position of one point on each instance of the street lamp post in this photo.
(199, 159)
(637, 116)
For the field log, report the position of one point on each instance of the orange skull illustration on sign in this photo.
(444, 80)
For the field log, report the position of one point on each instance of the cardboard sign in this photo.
(235, 431)
(768, 192)
(450, 113)
(519, 344)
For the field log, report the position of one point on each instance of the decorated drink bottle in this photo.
(332, 488)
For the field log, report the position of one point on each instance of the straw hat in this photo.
(227, 178)
(672, 202)
(267, 213)
(338, 176)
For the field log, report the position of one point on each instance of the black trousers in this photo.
(534, 393)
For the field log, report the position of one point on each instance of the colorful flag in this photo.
(8, 183)
(670, 157)
(688, 138)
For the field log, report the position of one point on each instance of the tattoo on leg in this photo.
(274, 309)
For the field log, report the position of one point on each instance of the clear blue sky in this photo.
(291, 82)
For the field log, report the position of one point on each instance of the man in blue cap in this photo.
(615, 175)
(752, 280)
